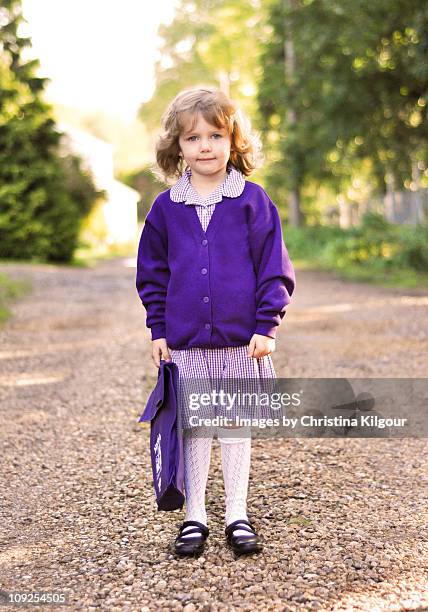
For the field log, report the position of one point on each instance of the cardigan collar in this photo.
(232, 187)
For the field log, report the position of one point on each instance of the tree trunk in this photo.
(345, 213)
(295, 214)
(416, 199)
(389, 200)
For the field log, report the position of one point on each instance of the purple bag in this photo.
(166, 441)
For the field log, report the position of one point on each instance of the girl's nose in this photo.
(205, 145)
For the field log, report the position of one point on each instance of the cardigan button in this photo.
(206, 299)
(207, 325)
(204, 242)
(204, 271)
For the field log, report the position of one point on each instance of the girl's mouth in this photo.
(210, 159)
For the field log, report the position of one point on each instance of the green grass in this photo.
(88, 257)
(84, 257)
(376, 252)
(10, 290)
(400, 278)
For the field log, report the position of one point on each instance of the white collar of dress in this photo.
(232, 187)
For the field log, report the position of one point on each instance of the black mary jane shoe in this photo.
(243, 544)
(194, 545)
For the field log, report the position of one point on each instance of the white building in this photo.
(120, 208)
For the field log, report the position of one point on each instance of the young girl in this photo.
(215, 277)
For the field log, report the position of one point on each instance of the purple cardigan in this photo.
(214, 289)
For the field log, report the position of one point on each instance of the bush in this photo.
(43, 197)
(307, 242)
(413, 251)
(41, 210)
(375, 244)
(374, 241)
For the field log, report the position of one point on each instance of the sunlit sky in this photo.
(100, 55)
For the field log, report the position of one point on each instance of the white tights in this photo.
(235, 459)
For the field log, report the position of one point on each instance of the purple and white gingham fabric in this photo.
(183, 191)
(217, 363)
(229, 369)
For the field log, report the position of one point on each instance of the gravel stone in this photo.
(344, 521)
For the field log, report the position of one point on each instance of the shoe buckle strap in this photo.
(189, 531)
(197, 528)
(244, 525)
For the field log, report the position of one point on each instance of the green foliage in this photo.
(43, 197)
(309, 241)
(413, 250)
(350, 110)
(358, 91)
(376, 245)
(207, 43)
(373, 223)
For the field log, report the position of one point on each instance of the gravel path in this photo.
(344, 521)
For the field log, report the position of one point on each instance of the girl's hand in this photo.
(260, 346)
(160, 351)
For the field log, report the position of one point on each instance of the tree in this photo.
(358, 91)
(208, 42)
(40, 212)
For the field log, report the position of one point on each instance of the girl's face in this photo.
(205, 148)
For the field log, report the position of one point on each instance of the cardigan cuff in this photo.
(158, 331)
(266, 329)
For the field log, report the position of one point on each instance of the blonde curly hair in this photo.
(217, 109)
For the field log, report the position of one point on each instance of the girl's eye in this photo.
(191, 138)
